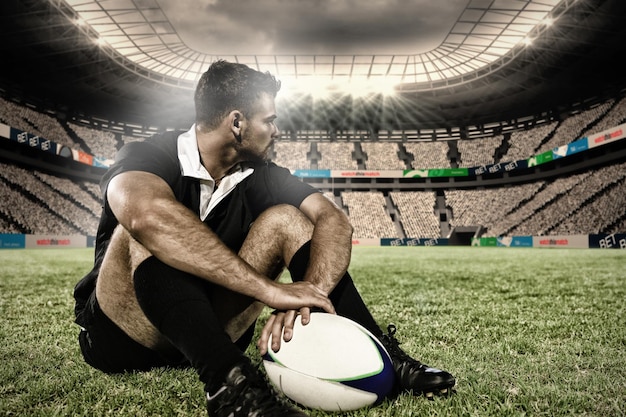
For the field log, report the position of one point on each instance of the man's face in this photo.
(259, 130)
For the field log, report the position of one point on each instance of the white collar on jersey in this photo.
(189, 158)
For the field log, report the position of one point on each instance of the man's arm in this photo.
(145, 205)
(331, 243)
(331, 249)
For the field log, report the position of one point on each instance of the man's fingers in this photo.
(305, 313)
(277, 330)
(265, 335)
(299, 297)
(288, 322)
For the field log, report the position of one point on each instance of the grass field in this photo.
(527, 332)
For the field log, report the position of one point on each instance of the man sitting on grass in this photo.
(195, 230)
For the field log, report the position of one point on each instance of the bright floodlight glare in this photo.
(324, 87)
(363, 86)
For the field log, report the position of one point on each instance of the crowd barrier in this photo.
(601, 241)
(20, 241)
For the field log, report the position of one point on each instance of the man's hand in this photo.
(289, 306)
(293, 296)
(280, 325)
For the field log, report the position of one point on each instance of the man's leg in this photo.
(293, 227)
(165, 309)
(272, 241)
(274, 236)
(345, 297)
(116, 294)
(412, 375)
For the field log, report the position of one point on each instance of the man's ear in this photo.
(236, 117)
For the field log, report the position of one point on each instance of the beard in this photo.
(248, 152)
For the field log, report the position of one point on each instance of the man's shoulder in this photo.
(157, 154)
(166, 140)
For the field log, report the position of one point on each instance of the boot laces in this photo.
(398, 356)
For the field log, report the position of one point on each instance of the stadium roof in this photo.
(137, 61)
(478, 36)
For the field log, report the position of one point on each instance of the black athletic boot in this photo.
(412, 375)
(246, 393)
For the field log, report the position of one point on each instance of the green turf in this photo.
(527, 332)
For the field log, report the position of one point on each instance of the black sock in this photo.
(345, 297)
(178, 305)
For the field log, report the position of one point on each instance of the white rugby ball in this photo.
(331, 364)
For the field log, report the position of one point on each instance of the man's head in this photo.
(227, 86)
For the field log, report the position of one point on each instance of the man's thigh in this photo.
(116, 295)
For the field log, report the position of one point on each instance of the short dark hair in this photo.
(228, 86)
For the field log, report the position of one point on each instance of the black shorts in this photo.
(107, 348)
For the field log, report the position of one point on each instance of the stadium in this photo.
(483, 176)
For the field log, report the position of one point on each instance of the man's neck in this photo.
(216, 154)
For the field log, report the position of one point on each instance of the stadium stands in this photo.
(524, 142)
(33, 203)
(98, 142)
(336, 155)
(428, 154)
(368, 214)
(417, 213)
(37, 123)
(381, 155)
(292, 154)
(592, 201)
(477, 152)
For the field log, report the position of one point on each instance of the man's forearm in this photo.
(331, 249)
(177, 237)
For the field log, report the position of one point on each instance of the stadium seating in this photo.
(381, 155)
(368, 214)
(428, 154)
(292, 154)
(39, 202)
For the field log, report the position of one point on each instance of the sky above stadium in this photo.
(316, 27)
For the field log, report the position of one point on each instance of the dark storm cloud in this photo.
(312, 26)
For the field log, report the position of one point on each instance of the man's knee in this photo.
(284, 219)
(274, 237)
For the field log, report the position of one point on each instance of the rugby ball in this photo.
(331, 364)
